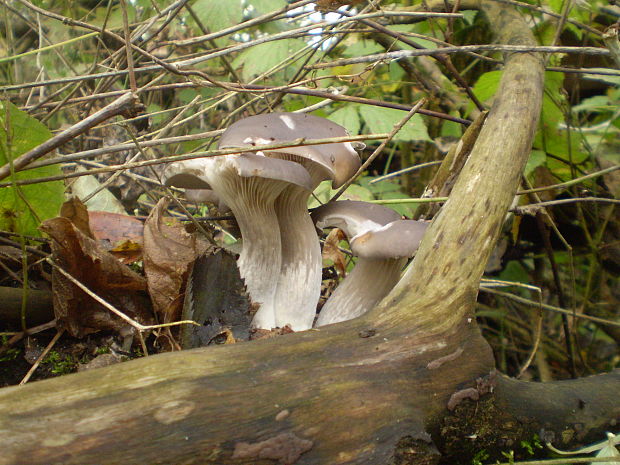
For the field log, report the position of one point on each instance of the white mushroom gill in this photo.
(249, 185)
(298, 284)
(383, 244)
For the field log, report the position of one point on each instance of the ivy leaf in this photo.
(22, 208)
(381, 120)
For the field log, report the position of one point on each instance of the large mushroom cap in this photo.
(339, 160)
(195, 173)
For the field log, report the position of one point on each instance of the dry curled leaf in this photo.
(333, 253)
(169, 252)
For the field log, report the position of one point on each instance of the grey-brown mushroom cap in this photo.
(339, 160)
(353, 217)
(187, 174)
(195, 173)
(398, 239)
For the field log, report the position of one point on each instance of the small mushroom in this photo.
(381, 241)
(299, 281)
(249, 183)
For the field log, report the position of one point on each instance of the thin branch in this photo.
(159, 161)
(36, 364)
(533, 208)
(551, 308)
(572, 182)
(595, 51)
(404, 171)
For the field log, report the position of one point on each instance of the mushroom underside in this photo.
(369, 282)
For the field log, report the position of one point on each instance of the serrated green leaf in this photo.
(381, 120)
(216, 15)
(263, 57)
(347, 117)
(22, 208)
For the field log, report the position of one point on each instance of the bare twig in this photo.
(551, 308)
(572, 182)
(461, 49)
(214, 153)
(36, 364)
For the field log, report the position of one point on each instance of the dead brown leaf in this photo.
(121, 235)
(169, 252)
(82, 257)
(333, 253)
(75, 211)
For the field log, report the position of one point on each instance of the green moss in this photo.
(60, 364)
(9, 354)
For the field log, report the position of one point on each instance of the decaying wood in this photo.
(347, 393)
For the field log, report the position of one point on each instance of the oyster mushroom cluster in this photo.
(267, 191)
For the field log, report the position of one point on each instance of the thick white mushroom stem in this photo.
(299, 284)
(370, 281)
(252, 200)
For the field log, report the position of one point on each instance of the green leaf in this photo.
(553, 98)
(263, 57)
(266, 6)
(216, 15)
(555, 142)
(595, 104)
(22, 208)
(612, 80)
(537, 158)
(362, 47)
(515, 272)
(405, 28)
(323, 193)
(487, 85)
(382, 120)
(347, 117)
